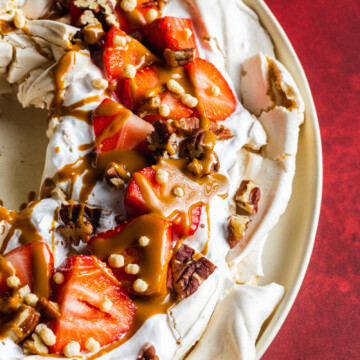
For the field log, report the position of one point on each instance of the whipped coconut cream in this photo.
(228, 35)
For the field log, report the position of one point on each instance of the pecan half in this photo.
(148, 352)
(47, 309)
(236, 228)
(21, 325)
(248, 196)
(163, 141)
(150, 3)
(176, 58)
(116, 176)
(80, 221)
(189, 272)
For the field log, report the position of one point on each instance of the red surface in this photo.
(324, 323)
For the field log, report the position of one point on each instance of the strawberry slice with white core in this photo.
(92, 304)
(216, 99)
(117, 128)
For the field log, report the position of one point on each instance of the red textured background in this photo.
(324, 323)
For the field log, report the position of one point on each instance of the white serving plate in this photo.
(288, 249)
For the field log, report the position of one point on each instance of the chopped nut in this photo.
(236, 229)
(21, 325)
(106, 305)
(144, 241)
(119, 40)
(182, 57)
(72, 349)
(116, 261)
(129, 71)
(116, 176)
(175, 87)
(164, 110)
(100, 84)
(151, 15)
(47, 336)
(188, 33)
(189, 272)
(92, 345)
(47, 309)
(35, 345)
(55, 305)
(128, 5)
(132, 269)
(13, 281)
(215, 90)
(88, 18)
(31, 299)
(162, 176)
(222, 132)
(19, 21)
(59, 278)
(178, 191)
(248, 196)
(80, 221)
(140, 286)
(148, 352)
(189, 100)
(25, 290)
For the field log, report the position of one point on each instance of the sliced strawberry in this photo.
(204, 76)
(118, 128)
(132, 21)
(177, 109)
(88, 282)
(152, 259)
(135, 203)
(116, 57)
(34, 266)
(169, 33)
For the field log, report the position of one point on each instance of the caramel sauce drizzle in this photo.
(19, 221)
(197, 191)
(6, 27)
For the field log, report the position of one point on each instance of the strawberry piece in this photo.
(204, 76)
(128, 22)
(88, 281)
(34, 266)
(177, 109)
(170, 33)
(116, 57)
(135, 203)
(153, 259)
(118, 128)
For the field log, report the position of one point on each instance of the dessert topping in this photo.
(182, 57)
(248, 196)
(148, 352)
(116, 176)
(47, 309)
(236, 229)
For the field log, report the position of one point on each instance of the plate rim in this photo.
(282, 311)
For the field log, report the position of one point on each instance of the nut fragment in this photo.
(128, 5)
(176, 58)
(119, 40)
(162, 176)
(47, 336)
(59, 278)
(188, 272)
(116, 176)
(148, 352)
(129, 71)
(24, 291)
(72, 349)
(175, 87)
(189, 100)
(35, 345)
(100, 84)
(140, 286)
(151, 15)
(21, 325)
(178, 191)
(164, 110)
(92, 345)
(248, 196)
(116, 261)
(47, 309)
(236, 229)
(132, 269)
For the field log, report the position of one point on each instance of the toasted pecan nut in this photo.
(189, 272)
(116, 176)
(176, 58)
(248, 196)
(80, 221)
(222, 132)
(21, 325)
(236, 229)
(47, 309)
(148, 352)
